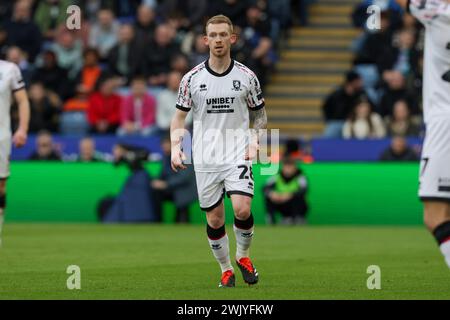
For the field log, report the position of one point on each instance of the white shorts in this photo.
(5, 152)
(212, 186)
(434, 180)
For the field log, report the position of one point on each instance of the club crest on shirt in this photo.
(237, 85)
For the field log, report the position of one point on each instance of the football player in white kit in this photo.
(434, 188)
(11, 83)
(222, 94)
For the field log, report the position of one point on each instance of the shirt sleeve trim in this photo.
(259, 107)
(14, 90)
(182, 108)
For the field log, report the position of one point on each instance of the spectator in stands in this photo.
(138, 110)
(49, 15)
(44, 109)
(401, 123)
(6, 9)
(339, 104)
(285, 193)
(377, 45)
(167, 98)
(159, 54)
(87, 152)
(280, 17)
(184, 14)
(126, 9)
(125, 59)
(90, 72)
(399, 151)
(69, 53)
(74, 118)
(256, 32)
(233, 9)
(200, 51)
(15, 55)
(79, 102)
(179, 187)
(396, 89)
(241, 50)
(52, 75)
(145, 24)
(22, 31)
(3, 41)
(104, 107)
(391, 7)
(45, 149)
(363, 123)
(104, 33)
(180, 63)
(405, 56)
(90, 9)
(302, 7)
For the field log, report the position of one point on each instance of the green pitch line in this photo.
(175, 262)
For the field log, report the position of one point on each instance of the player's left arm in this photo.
(21, 134)
(259, 118)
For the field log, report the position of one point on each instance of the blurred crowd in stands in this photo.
(381, 96)
(119, 73)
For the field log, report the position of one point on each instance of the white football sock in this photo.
(445, 249)
(221, 252)
(243, 241)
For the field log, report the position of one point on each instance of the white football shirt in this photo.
(220, 104)
(10, 81)
(435, 16)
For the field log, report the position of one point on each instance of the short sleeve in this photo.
(17, 82)
(184, 100)
(255, 98)
(426, 11)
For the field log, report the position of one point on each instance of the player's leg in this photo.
(219, 243)
(434, 188)
(437, 220)
(243, 230)
(243, 224)
(239, 185)
(210, 193)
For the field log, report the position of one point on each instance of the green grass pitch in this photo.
(175, 262)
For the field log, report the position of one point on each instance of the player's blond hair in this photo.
(219, 19)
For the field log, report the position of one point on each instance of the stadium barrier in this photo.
(340, 193)
(332, 150)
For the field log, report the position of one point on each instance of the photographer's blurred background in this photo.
(337, 91)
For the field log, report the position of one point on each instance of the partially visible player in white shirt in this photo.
(11, 83)
(434, 190)
(222, 94)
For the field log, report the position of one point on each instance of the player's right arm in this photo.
(17, 86)
(176, 138)
(183, 105)
(20, 136)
